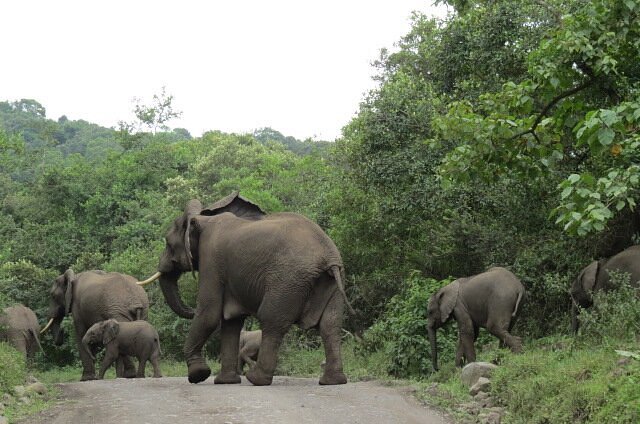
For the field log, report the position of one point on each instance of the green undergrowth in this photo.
(556, 380)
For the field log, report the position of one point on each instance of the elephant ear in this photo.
(69, 278)
(589, 276)
(111, 330)
(447, 299)
(237, 205)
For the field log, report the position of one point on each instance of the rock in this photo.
(473, 371)
(471, 408)
(3, 420)
(481, 396)
(19, 391)
(623, 361)
(492, 418)
(31, 379)
(25, 400)
(482, 385)
(7, 398)
(38, 388)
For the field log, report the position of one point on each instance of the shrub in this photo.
(12, 368)
(615, 314)
(402, 330)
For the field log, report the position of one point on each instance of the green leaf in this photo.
(606, 136)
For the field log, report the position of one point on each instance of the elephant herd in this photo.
(280, 268)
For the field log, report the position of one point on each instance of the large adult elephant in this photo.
(91, 297)
(595, 277)
(19, 326)
(490, 300)
(281, 268)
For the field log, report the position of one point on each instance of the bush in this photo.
(615, 315)
(402, 330)
(12, 368)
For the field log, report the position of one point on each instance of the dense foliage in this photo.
(506, 134)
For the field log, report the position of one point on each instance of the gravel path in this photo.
(173, 400)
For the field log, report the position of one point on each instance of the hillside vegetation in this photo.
(506, 135)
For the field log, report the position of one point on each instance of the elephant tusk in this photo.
(151, 279)
(46, 327)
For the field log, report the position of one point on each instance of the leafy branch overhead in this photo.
(576, 115)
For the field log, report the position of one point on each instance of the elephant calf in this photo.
(248, 348)
(489, 300)
(135, 338)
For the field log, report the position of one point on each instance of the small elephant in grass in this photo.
(248, 348)
(135, 338)
(490, 300)
(595, 277)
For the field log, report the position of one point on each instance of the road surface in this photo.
(288, 400)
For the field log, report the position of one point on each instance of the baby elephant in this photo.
(134, 338)
(248, 348)
(490, 300)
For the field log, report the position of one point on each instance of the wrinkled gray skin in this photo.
(595, 277)
(249, 348)
(91, 297)
(19, 326)
(490, 300)
(281, 268)
(137, 338)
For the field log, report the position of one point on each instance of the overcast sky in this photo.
(299, 67)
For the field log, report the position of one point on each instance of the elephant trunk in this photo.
(169, 285)
(87, 347)
(434, 346)
(57, 331)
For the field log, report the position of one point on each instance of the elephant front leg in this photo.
(88, 363)
(230, 337)
(205, 322)
(110, 356)
(466, 336)
(330, 327)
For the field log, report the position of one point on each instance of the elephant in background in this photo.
(595, 277)
(91, 297)
(490, 300)
(248, 348)
(136, 338)
(19, 326)
(281, 268)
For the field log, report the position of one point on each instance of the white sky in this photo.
(297, 66)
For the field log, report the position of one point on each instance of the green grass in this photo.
(556, 380)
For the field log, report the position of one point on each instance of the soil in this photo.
(288, 400)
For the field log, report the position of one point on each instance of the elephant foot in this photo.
(198, 370)
(333, 378)
(88, 377)
(227, 378)
(258, 378)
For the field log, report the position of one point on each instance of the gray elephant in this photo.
(490, 300)
(595, 277)
(136, 338)
(281, 268)
(91, 297)
(19, 326)
(248, 348)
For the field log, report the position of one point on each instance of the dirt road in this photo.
(288, 400)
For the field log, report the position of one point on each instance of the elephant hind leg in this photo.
(262, 373)
(505, 337)
(155, 363)
(330, 326)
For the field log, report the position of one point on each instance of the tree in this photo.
(158, 113)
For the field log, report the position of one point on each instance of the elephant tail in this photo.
(515, 310)
(338, 273)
